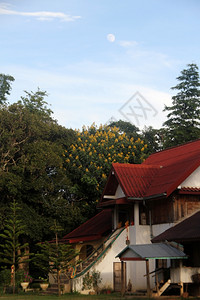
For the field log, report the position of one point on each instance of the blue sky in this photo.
(99, 59)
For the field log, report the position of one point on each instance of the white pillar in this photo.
(116, 219)
(136, 214)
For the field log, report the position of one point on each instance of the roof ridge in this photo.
(126, 165)
(174, 147)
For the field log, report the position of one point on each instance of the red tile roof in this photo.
(93, 229)
(171, 155)
(135, 179)
(187, 230)
(189, 190)
(178, 163)
(160, 174)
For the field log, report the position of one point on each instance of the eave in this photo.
(158, 196)
(113, 202)
(82, 239)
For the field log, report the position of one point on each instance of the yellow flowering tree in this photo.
(89, 159)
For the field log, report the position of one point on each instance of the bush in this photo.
(5, 278)
(91, 280)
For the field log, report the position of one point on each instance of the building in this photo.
(139, 202)
(186, 233)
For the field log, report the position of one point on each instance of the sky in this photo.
(99, 60)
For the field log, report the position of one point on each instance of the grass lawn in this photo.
(24, 296)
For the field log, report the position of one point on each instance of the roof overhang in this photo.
(81, 239)
(113, 202)
(163, 195)
(150, 251)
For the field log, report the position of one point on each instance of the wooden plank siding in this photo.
(185, 205)
(161, 211)
(174, 208)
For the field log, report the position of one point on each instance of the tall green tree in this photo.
(154, 138)
(183, 122)
(31, 148)
(5, 87)
(12, 249)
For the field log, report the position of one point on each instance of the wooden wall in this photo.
(173, 208)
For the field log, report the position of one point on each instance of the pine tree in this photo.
(183, 123)
(55, 257)
(12, 251)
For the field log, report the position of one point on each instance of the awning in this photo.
(93, 229)
(151, 251)
(186, 231)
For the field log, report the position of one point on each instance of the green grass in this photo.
(76, 296)
(25, 296)
(63, 297)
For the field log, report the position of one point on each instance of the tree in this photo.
(183, 123)
(5, 87)
(153, 138)
(12, 250)
(35, 103)
(55, 257)
(31, 148)
(126, 127)
(88, 160)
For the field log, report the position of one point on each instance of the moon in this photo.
(111, 37)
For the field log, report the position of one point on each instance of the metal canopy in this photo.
(151, 251)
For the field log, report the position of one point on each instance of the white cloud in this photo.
(40, 15)
(127, 44)
(90, 97)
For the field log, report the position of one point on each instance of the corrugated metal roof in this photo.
(172, 175)
(96, 226)
(187, 230)
(135, 179)
(151, 251)
(160, 174)
(174, 154)
(190, 189)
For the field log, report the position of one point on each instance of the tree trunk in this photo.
(58, 270)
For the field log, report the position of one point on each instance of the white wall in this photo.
(137, 234)
(184, 274)
(193, 180)
(159, 228)
(119, 193)
(105, 264)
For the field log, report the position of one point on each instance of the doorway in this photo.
(117, 275)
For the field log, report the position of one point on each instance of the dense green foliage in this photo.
(126, 127)
(183, 122)
(89, 159)
(31, 147)
(57, 174)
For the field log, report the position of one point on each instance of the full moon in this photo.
(111, 37)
